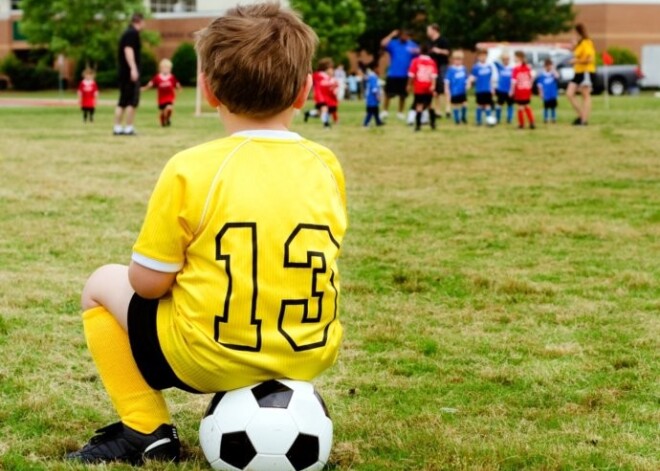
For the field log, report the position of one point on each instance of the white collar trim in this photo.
(269, 134)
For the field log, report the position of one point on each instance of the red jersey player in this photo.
(522, 83)
(422, 75)
(167, 84)
(87, 93)
(329, 88)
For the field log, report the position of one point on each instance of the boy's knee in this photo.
(96, 283)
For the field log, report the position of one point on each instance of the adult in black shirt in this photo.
(128, 58)
(439, 52)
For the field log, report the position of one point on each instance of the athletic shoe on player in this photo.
(118, 442)
(384, 114)
(401, 116)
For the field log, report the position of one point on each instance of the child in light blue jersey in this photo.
(503, 89)
(548, 84)
(456, 87)
(482, 77)
(372, 94)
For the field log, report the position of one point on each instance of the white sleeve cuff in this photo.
(155, 264)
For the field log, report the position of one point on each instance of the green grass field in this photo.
(501, 288)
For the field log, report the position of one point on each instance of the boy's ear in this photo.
(210, 97)
(299, 103)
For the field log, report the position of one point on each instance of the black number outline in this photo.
(224, 319)
(306, 319)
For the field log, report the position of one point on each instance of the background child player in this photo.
(373, 94)
(548, 84)
(166, 84)
(88, 91)
(521, 90)
(319, 79)
(330, 87)
(456, 87)
(241, 236)
(422, 75)
(482, 77)
(503, 89)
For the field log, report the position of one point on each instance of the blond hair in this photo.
(165, 63)
(457, 54)
(256, 58)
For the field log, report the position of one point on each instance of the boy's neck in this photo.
(237, 123)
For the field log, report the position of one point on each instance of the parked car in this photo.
(620, 78)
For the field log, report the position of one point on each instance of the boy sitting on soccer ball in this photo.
(233, 278)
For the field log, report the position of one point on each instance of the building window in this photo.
(173, 6)
(15, 4)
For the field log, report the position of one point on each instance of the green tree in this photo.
(467, 22)
(338, 23)
(84, 30)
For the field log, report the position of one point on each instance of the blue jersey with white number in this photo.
(456, 78)
(483, 74)
(504, 77)
(549, 85)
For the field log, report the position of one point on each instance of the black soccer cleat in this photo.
(118, 442)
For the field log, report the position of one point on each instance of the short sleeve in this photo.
(165, 233)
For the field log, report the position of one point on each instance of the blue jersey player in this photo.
(503, 89)
(548, 85)
(482, 77)
(456, 87)
(372, 94)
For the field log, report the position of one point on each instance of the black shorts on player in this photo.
(550, 104)
(484, 99)
(145, 346)
(458, 99)
(129, 94)
(162, 106)
(522, 102)
(396, 86)
(583, 79)
(424, 99)
(504, 98)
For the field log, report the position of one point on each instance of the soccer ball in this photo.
(491, 120)
(278, 425)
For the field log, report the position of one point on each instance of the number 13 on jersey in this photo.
(301, 288)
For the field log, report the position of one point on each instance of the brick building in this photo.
(622, 23)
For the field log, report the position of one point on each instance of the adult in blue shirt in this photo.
(402, 50)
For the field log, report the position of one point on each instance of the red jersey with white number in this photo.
(328, 89)
(87, 90)
(166, 85)
(423, 70)
(523, 82)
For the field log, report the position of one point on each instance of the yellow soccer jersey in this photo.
(252, 224)
(582, 51)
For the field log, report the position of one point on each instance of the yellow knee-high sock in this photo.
(138, 405)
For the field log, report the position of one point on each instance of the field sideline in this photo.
(500, 288)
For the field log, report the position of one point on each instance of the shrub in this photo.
(621, 56)
(28, 76)
(148, 66)
(184, 64)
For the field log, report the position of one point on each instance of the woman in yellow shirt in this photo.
(584, 64)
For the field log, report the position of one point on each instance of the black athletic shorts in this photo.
(504, 97)
(319, 105)
(458, 99)
(423, 99)
(165, 105)
(87, 108)
(583, 79)
(523, 102)
(143, 337)
(552, 103)
(396, 86)
(440, 81)
(129, 94)
(484, 99)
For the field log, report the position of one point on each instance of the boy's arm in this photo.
(148, 283)
(447, 91)
(149, 85)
